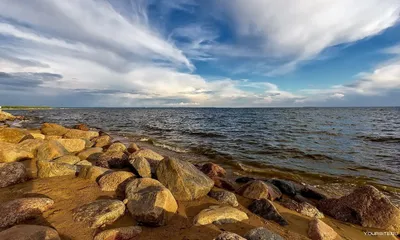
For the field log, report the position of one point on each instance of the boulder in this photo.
(75, 133)
(141, 166)
(262, 234)
(116, 147)
(112, 159)
(53, 169)
(312, 192)
(219, 215)
(29, 232)
(82, 127)
(303, 208)
(149, 202)
(213, 170)
(258, 190)
(318, 230)
(69, 159)
(365, 206)
(224, 197)
(265, 209)
(151, 156)
(122, 233)
(37, 135)
(5, 116)
(50, 150)
(73, 145)
(183, 179)
(10, 152)
(224, 183)
(115, 181)
(53, 129)
(52, 137)
(92, 172)
(102, 141)
(12, 173)
(14, 135)
(132, 147)
(91, 154)
(31, 145)
(18, 210)
(229, 236)
(83, 163)
(99, 213)
(244, 179)
(287, 187)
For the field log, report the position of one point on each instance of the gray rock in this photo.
(286, 187)
(229, 236)
(12, 173)
(265, 209)
(29, 232)
(262, 234)
(224, 197)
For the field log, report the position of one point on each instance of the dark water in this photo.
(361, 143)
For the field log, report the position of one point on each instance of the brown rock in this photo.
(258, 190)
(219, 215)
(92, 172)
(318, 230)
(75, 133)
(69, 159)
(50, 150)
(133, 148)
(303, 208)
(53, 129)
(14, 135)
(229, 236)
(10, 152)
(115, 181)
(12, 173)
(213, 170)
(37, 135)
(72, 145)
(116, 147)
(31, 145)
(84, 163)
(151, 156)
(113, 159)
(91, 154)
(224, 183)
(29, 232)
(224, 197)
(52, 137)
(141, 165)
(18, 210)
(82, 127)
(265, 209)
(122, 233)
(53, 169)
(102, 141)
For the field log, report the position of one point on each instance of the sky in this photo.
(200, 53)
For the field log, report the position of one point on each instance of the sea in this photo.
(331, 144)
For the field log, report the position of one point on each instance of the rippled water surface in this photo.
(357, 142)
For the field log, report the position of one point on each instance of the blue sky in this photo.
(192, 53)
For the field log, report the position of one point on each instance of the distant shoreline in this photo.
(24, 107)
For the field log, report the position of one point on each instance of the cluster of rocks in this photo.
(149, 187)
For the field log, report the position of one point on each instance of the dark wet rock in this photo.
(115, 181)
(183, 179)
(102, 141)
(300, 198)
(258, 189)
(116, 147)
(224, 183)
(68, 159)
(14, 135)
(29, 232)
(287, 187)
(229, 236)
(224, 197)
(141, 166)
(313, 192)
(133, 148)
(122, 233)
(73, 145)
(219, 215)
(50, 150)
(112, 159)
(262, 234)
(99, 213)
(91, 154)
(365, 206)
(244, 179)
(318, 230)
(12, 173)
(53, 129)
(10, 152)
(213, 170)
(149, 202)
(18, 210)
(75, 133)
(92, 172)
(265, 209)
(303, 208)
(82, 127)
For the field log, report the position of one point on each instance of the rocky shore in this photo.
(76, 182)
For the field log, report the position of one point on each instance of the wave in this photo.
(204, 134)
(212, 153)
(163, 145)
(386, 139)
(293, 153)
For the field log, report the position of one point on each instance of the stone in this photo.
(18, 210)
(318, 230)
(91, 154)
(112, 159)
(14, 135)
(115, 181)
(31, 145)
(5, 116)
(10, 152)
(82, 127)
(52, 137)
(132, 147)
(262, 234)
(122, 233)
(12, 173)
(36, 135)
(75, 133)
(183, 179)
(99, 213)
(265, 209)
(229, 236)
(244, 179)
(365, 206)
(219, 215)
(286, 187)
(53, 169)
(69, 159)
(72, 145)
(50, 150)
(141, 165)
(313, 192)
(83, 163)
(213, 170)
(224, 197)
(224, 183)
(149, 202)
(258, 190)
(303, 208)
(29, 232)
(116, 147)
(53, 129)
(151, 156)
(92, 172)
(102, 141)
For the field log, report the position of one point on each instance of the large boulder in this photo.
(91, 154)
(29, 232)
(219, 215)
(53, 129)
(149, 202)
(72, 145)
(12, 173)
(5, 116)
(68, 159)
(14, 135)
(50, 150)
(265, 209)
(122, 233)
(18, 210)
(99, 213)
(183, 179)
(224, 197)
(318, 230)
(303, 208)
(116, 147)
(287, 187)
(10, 152)
(31, 145)
(53, 169)
(151, 156)
(113, 159)
(258, 190)
(115, 181)
(262, 234)
(141, 166)
(75, 133)
(102, 141)
(229, 236)
(92, 172)
(365, 206)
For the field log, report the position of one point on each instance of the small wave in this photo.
(211, 153)
(387, 139)
(292, 153)
(163, 145)
(204, 134)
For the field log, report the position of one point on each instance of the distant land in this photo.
(23, 107)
